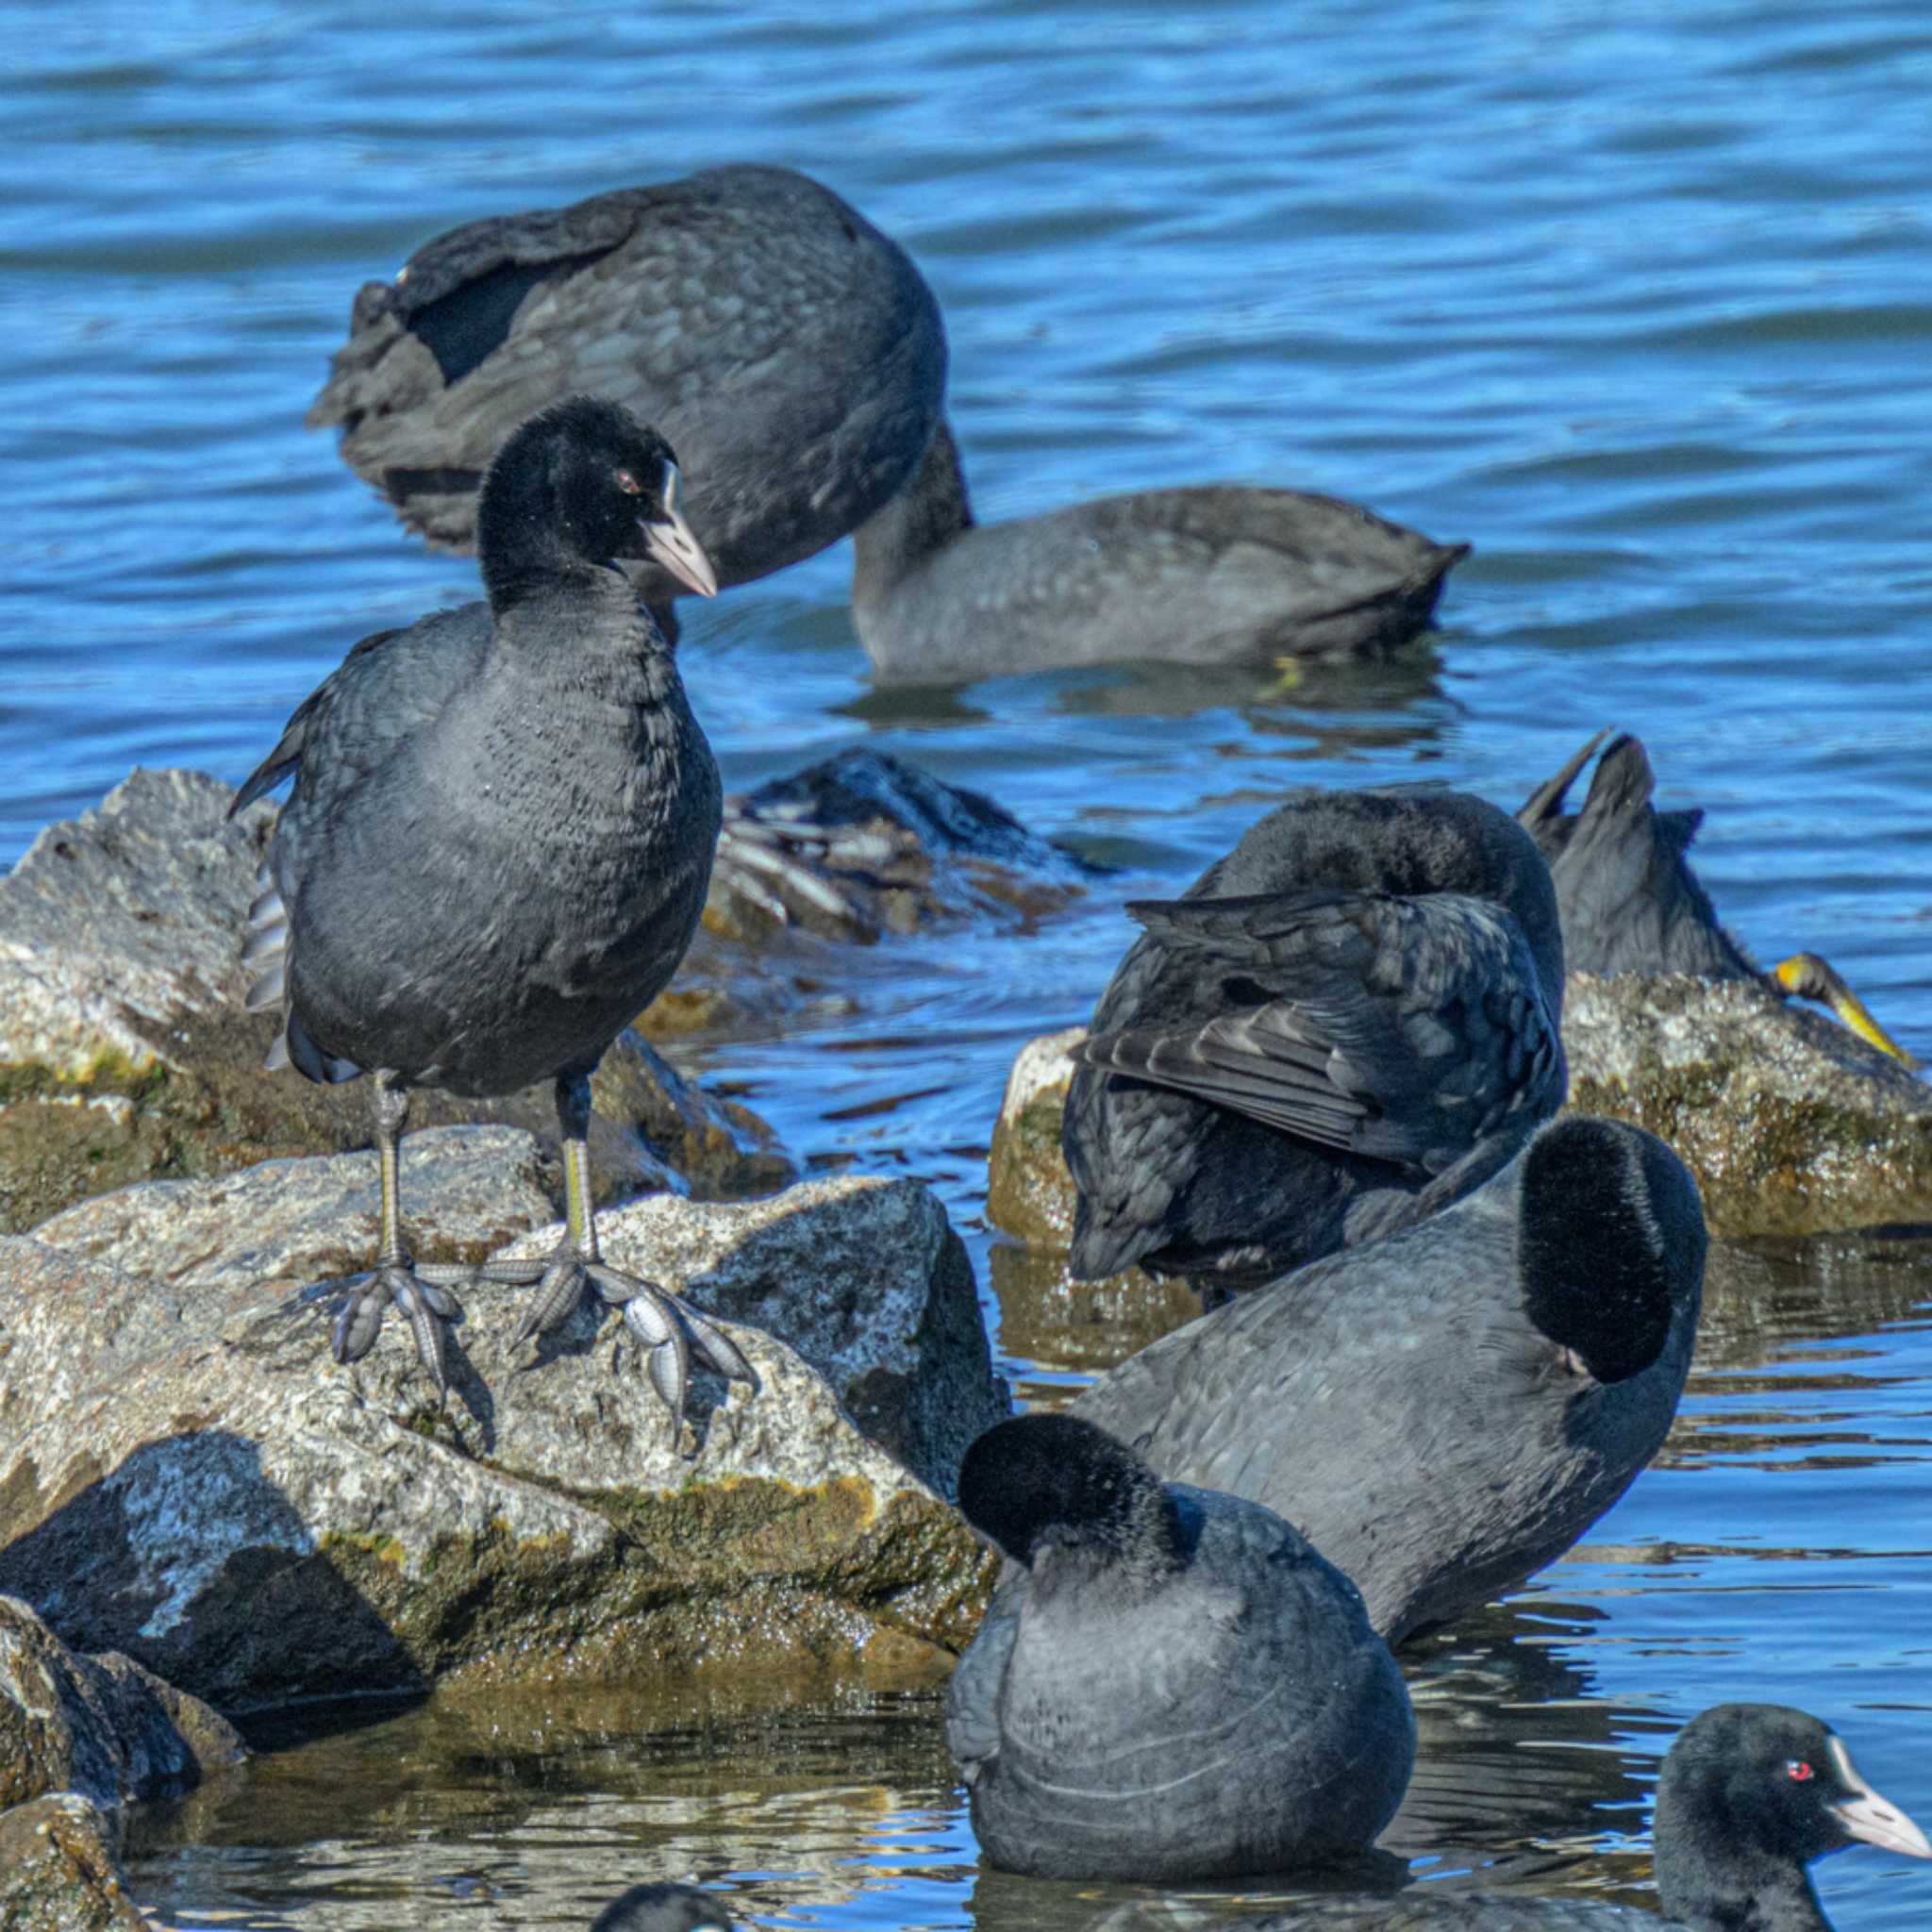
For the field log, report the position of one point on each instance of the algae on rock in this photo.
(185, 1476)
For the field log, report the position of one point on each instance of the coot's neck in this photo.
(525, 547)
(923, 518)
(1708, 1890)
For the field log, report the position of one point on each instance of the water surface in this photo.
(1632, 298)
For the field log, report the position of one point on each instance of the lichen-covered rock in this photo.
(1791, 1123)
(1091, 1327)
(1030, 1191)
(102, 1725)
(185, 1474)
(125, 1051)
(57, 1870)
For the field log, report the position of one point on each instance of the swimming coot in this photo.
(1630, 902)
(1750, 1794)
(1443, 1412)
(1205, 574)
(1349, 1021)
(1172, 1685)
(790, 352)
(496, 851)
(663, 1908)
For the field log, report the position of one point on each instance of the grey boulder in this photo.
(101, 1727)
(186, 1475)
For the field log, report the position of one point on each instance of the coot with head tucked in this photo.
(1210, 574)
(1350, 1021)
(1174, 1686)
(790, 352)
(1443, 1412)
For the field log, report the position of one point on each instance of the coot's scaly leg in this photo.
(672, 1331)
(426, 1304)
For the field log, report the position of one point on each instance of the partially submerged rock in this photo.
(101, 1727)
(863, 844)
(186, 1475)
(126, 1052)
(1791, 1123)
(1029, 1191)
(57, 1870)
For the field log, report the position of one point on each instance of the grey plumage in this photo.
(1174, 1686)
(498, 842)
(1346, 1023)
(1628, 899)
(1205, 574)
(1749, 1796)
(1443, 1412)
(789, 351)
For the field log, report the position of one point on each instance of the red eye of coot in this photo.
(628, 484)
(1798, 1769)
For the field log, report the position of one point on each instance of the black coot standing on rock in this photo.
(1630, 902)
(791, 355)
(496, 851)
(1206, 574)
(1346, 1024)
(1750, 1794)
(1443, 1412)
(1178, 1688)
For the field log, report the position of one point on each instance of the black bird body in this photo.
(1750, 1796)
(1350, 1020)
(500, 837)
(1628, 899)
(1443, 1412)
(1176, 1686)
(788, 350)
(1209, 573)
(1630, 902)
(496, 851)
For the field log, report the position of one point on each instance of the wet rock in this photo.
(57, 1870)
(185, 1476)
(126, 1052)
(101, 1727)
(1029, 1192)
(863, 844)
(1087, 1327)
(1791, 1123)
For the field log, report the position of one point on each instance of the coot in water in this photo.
(663, 1908)
(1205, 574)
(496, 851)
(1630, 902)
(1443, 1412)
(791, 353)
(1749, 1796)
(1346, 1023)
(1174, 1687)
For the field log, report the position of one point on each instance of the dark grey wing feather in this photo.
(391, 684)
(1403, 1029)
